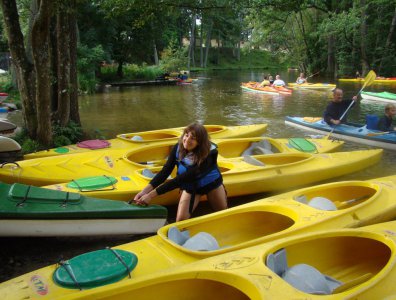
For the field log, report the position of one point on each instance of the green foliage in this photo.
(72, 133)
(131, 72)
(174, 58)
(28, 145)
(89, 60)
(62, 136)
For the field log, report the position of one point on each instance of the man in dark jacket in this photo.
(336, 108)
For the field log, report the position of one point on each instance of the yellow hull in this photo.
(361, 80)
(280, 172)
(362, 260)
(312, 86)
(121, 162)
(265, 226)
(129, 141)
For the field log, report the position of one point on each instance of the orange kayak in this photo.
(273, 90)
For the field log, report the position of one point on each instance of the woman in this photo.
(197, 174)
(301, 79)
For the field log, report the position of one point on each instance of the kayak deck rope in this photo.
(64, 203)
(121, 260)
(20, 204)
(65, 264)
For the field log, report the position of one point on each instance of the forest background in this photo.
(59, 49)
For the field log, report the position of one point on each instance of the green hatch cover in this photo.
(95, 268)
(29, 193)
(302, 144)
(62, 150)
(92, 183)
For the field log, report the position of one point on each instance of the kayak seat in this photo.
(148, 173)
(258, 148)
(322, 204)
(308, 279)
(136, 138)
(202, 241)
(372, 122)
(177, 236)
(303, 277)
(317, 202)
(253, 161)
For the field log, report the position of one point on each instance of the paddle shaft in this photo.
(313, 74)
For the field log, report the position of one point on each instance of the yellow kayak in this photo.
(279, 172)
(121, 162)
(312, 86)
(333, 264)
(137, 139)
(390, 80)
(208, 249)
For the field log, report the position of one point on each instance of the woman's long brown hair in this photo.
(202, 150)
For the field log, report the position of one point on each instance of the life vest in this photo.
(203, 179)
(301, 80)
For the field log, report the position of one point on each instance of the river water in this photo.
(216, 98)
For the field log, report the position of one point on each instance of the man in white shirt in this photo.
(278, 81)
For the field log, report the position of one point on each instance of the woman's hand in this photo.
(143, 198)
(139, 195)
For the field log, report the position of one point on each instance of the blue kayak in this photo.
(353, 132)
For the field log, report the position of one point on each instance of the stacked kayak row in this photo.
(353, 132)
(137, 139)
(253, 86)
(6, 127)
(249, 165)
(243, 174)
(385, 97)
(298, 245)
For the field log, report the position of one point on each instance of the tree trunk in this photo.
(63, 66)
(331, 60)
(201, 50)
(156, 60)
(192, 43)
(45, 71)
(74, 110)
(42, 64)
(120, 73)
(363, 42)
(23, 67)
(208, 43)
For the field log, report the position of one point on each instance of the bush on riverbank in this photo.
(62, 136)
(219, 59)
